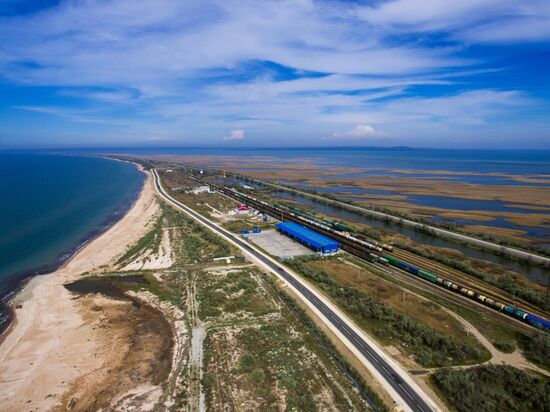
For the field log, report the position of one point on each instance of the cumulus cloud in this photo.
(235, 135)
(361, 131)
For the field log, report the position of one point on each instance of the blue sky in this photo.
(431, 73)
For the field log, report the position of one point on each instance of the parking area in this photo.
(279, 245)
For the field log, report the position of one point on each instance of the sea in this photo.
(52, 205)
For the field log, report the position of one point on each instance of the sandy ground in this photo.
(56, 339)
(160, 259)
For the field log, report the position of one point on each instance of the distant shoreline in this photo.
(21, 278)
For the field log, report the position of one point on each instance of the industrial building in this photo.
(308, 237)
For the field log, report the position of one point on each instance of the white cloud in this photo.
(361, 131)
(235, 135)
(477, 21)
(199, 66)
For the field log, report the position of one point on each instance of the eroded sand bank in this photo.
(58, 339)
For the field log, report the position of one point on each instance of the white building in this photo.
(200, 189)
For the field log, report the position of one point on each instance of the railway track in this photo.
(457, 276)
(456, 299)
(365, 253)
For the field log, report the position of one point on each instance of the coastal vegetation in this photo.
(256, 345)
(392, 326)
(493, 388)
(254, 348)
(536, 348)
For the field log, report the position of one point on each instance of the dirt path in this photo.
(56, 339)
(198, 333)
(515, 359)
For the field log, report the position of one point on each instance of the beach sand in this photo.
(57, 339)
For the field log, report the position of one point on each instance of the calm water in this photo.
(515, 162)
(50, 205)
(534, 273)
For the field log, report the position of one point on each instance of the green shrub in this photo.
(429, 347)
(493, 388)
(258, 375)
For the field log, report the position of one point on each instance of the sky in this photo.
(166, 73)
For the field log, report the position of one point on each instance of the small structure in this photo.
(243, 209)
(200, 189)
(308, 237)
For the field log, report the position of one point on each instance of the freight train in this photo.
(331, 227)
(508, 309)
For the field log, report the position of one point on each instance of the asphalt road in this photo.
(413, 400)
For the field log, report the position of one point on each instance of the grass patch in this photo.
(231, 293)
(493, 388)
(150, 241)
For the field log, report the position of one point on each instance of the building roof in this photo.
(307, 235)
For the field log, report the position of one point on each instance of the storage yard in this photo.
(278, 245)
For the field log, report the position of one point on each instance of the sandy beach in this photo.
(60, 345)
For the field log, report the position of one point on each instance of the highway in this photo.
(411, 397)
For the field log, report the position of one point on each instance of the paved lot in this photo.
(279, 245)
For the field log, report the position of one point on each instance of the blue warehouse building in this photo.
(308, 237)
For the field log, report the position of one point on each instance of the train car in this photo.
(447, 284)
(510, 310)
(409, 268)
(374, 257)
(393, 261)
(387, 247)
(481, 298)
(439, 281)
(342, 227)
(427, 275)
(467, 292)
(490, 302)
(454, 286)
(520, 314)
(383, 261)
(499, 306)
(537, 322)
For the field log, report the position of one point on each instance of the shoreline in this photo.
(56, 339)
(22, 278)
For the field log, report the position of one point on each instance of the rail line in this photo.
(457, 276)
(359, 250)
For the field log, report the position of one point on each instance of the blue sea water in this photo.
(51, 204)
